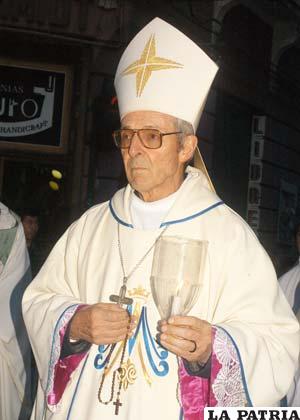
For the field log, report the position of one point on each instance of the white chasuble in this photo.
(255, 335)
(289, 283)
(15, 355)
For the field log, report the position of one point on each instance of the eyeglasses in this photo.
(150, 138)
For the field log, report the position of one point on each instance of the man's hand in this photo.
(102, 323)
(180, 334)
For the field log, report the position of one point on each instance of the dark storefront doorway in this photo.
(232, 152)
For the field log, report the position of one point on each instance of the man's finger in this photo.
(172, 348)
(115, 325)
(110, 306)
(181, 332)
(112, 316)
(179, 343)
(189, 321)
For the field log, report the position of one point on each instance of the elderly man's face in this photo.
(155, 173)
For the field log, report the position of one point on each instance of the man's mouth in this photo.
(137, 167)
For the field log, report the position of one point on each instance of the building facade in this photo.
(58, 107)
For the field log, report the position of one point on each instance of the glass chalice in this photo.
(177, 274)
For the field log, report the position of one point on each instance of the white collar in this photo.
(150, 215)
(194, 199)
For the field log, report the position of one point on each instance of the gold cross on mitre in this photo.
(146, 64)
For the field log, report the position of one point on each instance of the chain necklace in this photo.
(137, 265)
(122, 299)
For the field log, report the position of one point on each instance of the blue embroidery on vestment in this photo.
(171, 222)
(156, 355)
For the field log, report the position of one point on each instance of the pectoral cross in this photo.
(118, 404)
(121, 299)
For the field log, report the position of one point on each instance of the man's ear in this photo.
(187, 149)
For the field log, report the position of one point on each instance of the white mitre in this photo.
(163, 70)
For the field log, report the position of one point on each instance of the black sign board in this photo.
(34, 106)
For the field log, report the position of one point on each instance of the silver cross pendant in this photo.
(121, 298)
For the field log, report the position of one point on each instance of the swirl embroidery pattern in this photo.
(228, 385)
(141, 347)
(127, 374)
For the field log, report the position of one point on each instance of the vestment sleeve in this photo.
(252, 311)
(255, 340)
(48, 305)
(200, 392)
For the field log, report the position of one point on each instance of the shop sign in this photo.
(34, 106)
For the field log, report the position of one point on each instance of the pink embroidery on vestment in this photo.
(224, 387)
(60, 370)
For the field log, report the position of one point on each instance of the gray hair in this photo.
(186, 129)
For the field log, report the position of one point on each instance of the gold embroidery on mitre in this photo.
(146, 64)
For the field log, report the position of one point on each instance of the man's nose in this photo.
(136, 145)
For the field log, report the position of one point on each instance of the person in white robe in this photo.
(100, 346)
(290, 284)
(15, 353)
